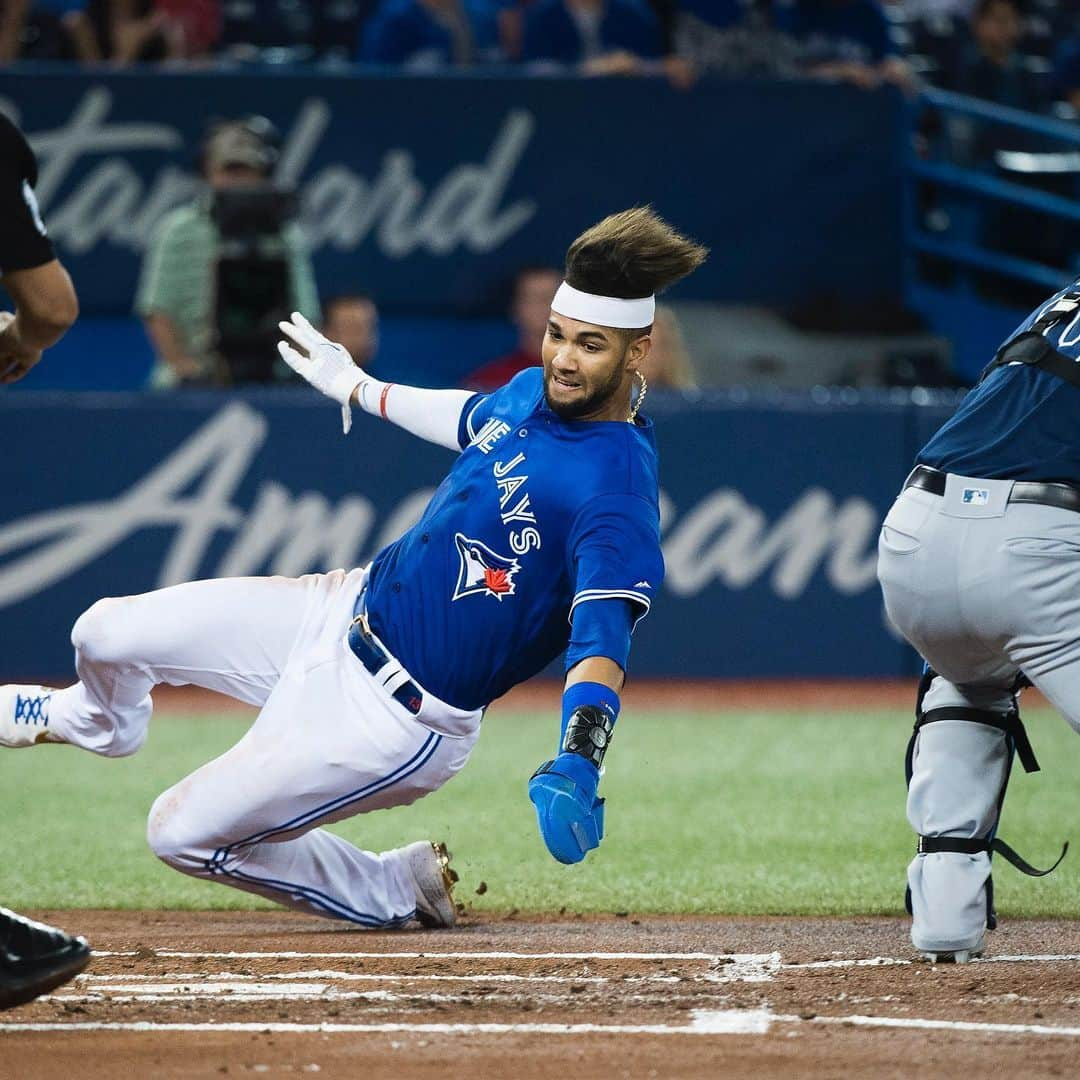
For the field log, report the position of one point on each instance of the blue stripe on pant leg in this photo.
(216, 864)
(428, 748)
(320, 899)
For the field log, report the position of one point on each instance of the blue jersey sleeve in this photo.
(614, 552)
(472, 418)
(506, 405)
(602, 628)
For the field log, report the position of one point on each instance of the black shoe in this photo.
(35, 958)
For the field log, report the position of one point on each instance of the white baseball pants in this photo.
(329, 742)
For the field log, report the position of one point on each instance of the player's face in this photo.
(588, 368)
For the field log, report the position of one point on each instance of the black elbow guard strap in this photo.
(588, 733)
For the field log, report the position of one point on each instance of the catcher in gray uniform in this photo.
(979, 563)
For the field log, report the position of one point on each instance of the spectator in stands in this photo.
(352, 320)
(845, 40)
(197, 23)
(933, 9)
(43, 30)
(432, 33)
(534, 289)
(294, 30)
(251, 25)
(127, 31)
(991, 66)
(602, 37)
(338, 27)
(735, 38)
(668, 364)
(176, 294)
(92, 31)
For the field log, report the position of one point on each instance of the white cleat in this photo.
(24, 715)
(433, 881)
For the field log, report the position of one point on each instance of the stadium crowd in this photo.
(1018, 52)
(204, 296)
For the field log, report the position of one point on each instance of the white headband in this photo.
(604, 310)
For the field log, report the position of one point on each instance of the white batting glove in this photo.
(322, 362)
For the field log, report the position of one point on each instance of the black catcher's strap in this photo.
(1009, 722)
(930, 844)
(588, 733)
(1031, 347)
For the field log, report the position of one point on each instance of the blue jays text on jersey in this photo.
(537, 517)
(1020, 422)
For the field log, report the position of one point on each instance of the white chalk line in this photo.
(824, 965)
(394, 977)
(226, 991)
(1049, 958)
(885, 961)
(714, 1022)
(704, 1022)
(734, 967)
(712, 958)
(770, 962)
(229, 997)
(224, 997)
(938, 1025)
(891, 961)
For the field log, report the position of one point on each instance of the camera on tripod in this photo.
(253, 291)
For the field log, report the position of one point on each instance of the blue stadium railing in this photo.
(965, 194)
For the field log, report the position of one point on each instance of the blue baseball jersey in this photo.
(1019, 423)
(538, 517)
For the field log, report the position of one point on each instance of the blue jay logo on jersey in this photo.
(483, 572)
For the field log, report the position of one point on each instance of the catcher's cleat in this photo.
(954, 956)
(35, 958)
(24, 715)
(433, 881)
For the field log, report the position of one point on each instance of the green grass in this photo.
(741, 813)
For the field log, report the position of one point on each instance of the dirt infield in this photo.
(265, 994)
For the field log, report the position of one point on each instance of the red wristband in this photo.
(382, 400)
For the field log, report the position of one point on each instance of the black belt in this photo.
(1063, 496)
(374, 657)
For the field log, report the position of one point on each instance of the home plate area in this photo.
(187, 994)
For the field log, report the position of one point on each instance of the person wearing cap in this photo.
(175, 297)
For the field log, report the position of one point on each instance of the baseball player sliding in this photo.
(979, 561)
(372, 682)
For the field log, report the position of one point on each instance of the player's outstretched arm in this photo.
(434, 415)
(45, 308)
(564, 790)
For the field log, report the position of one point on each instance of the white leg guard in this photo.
(959, 770)
(959, 761)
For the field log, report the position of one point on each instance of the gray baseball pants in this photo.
(983, 589)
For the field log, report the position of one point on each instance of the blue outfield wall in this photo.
(431, 191)
(771, 512)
